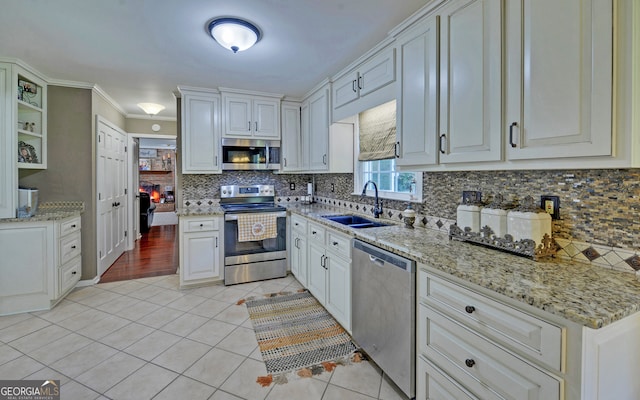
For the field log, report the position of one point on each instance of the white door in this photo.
(319, 131)
(112, 193)
(265, 119)
(238, 116)
(317, 271)
(291, 137)
(417, 99)
(559, 78)
(471, 81)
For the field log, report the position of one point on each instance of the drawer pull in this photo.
(201, 225)
(313, 232)
(470, 309)
(469, 362)
(335, 243)
(73, 273)
(73, 226)
(73, 247)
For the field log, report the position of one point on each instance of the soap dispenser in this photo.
(409, 216)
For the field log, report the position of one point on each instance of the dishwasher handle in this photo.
(376, 260)
(383, 256)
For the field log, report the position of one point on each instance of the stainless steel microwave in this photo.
(250, 154)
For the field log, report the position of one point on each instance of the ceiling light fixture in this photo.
(151, 108)
(233, 33)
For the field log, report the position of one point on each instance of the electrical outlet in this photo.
(292, 186)
(551, 204)
(333, 188)
(471, 197)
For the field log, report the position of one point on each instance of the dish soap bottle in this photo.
(409, 216)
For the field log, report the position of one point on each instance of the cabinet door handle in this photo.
(360, 82)
(511, 134)
(470, 309)
(469, 362)
(256, 126)
(442, 138)
(216, 161)
(324, 159)
(353, 86)
(285, 161)
(216, 242)
(396, 149)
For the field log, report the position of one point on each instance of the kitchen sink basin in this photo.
(354, 221)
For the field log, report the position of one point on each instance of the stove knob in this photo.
(224, 192)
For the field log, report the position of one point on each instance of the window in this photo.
(392, 184)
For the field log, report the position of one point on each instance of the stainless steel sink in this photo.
(354, 221)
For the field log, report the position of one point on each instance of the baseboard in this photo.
(88, 282)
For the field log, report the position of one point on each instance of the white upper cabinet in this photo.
(200, 132)
(23, 129)
(291, 137)
(417, 97)
(362, 88)
(315, 130)
(250, 116)
(559, 78)
(470, 81)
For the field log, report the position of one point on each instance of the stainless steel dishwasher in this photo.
(383, 294)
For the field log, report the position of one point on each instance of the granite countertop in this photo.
(589, 295)
(52, 211)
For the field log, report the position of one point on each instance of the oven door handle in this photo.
(234, 217)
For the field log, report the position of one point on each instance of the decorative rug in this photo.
(297, 336)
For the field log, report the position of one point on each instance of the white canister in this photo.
(468, 216)
(496, 219)
(528, 222)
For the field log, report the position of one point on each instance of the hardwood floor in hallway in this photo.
(155, 254)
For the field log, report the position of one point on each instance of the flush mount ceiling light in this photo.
(233, 33)
(151, 108)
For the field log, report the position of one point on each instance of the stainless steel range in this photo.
(255, 234)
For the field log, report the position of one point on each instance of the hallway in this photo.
(155, 254)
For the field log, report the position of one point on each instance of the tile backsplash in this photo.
(599, 209)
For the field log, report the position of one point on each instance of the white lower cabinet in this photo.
(433, 383)
(327, 267)
(200, 256)
(471, 346)
(298, 249)
(41, 263)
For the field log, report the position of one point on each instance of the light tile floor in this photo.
(146, 339)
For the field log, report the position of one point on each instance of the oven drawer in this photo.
(201, 225)
(316, 233)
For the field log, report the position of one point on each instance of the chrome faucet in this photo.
(377, 209)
